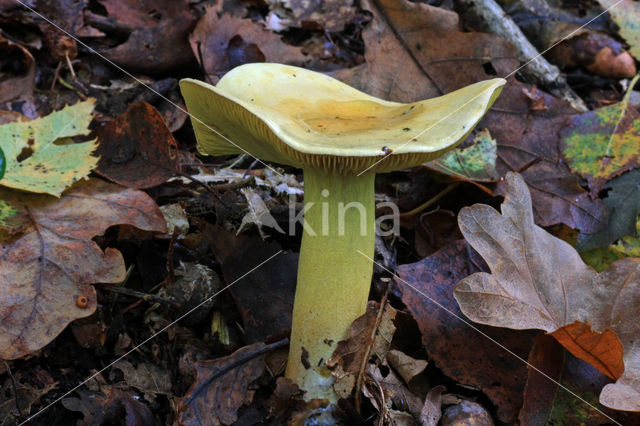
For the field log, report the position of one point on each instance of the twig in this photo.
(434, 199)
(365, 356)
(15, 388)
(141, 295)
(537, 67)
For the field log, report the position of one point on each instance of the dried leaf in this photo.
(136, 148)
(211, 43)
(369, 334)
(405, 365)
(459, 351)
(539, 281)
(432, 409)
(476, 162)
(220, 387)
(37, 158)
(157, 33)
(274, 281)
(53, 261)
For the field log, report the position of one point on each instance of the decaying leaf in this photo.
(224, 42)
(476, 162)
(274, 281)
(369, 335)
(459, 351)
(539, 281)
(136, 148)
(220, 387)
(53, 261)
(416, 51)
(157, 33)
(106, 404)
(623, 201)
(38, 153)
(602, 144)
(626, 14)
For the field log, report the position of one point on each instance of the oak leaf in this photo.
(51, 261)
(539, 281)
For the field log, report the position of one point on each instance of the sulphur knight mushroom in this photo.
(341, 138)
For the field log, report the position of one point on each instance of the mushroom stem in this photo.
(333, 278)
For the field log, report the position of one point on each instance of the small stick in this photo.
(434, 199)
(15, 388)
(141, 295)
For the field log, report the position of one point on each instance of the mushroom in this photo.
(340, 137)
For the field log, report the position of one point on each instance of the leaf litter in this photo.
(383, 53)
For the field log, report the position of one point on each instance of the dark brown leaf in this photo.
(459, 351)
(136, 149)
(274, 281)
(220, 387)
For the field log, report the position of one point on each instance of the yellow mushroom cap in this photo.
(302, 118)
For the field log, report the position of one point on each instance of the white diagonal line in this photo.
(477, 96)
(470, 325)
(194, 118)
(144, 341)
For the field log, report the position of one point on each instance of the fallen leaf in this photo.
(545, 402)
(109, 405)
(432, 410)
(220, 387)
(528, 141)
(21, 85)
(626, 14)
(136, 149)
(275, 281)
(623, 201)
(146, 377)
(602, 144)
(157, 33)
(405, 365)
(53, 261)
(539, 281)
(459, 351)
(476, 162)
(369, 335)
(28, 394)
(39, 157)
(211, 41)
(385, 390)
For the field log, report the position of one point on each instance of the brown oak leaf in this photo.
(46, 268)
(539, 281)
